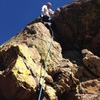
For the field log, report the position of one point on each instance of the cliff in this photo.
(69, 61)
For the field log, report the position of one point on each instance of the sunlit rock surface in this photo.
(69, 61)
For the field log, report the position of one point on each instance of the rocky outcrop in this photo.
(92, 62)
(78, 25)
(22, 65)
(66, 67)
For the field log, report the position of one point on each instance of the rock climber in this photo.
(46, 13)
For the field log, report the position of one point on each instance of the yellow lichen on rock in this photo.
(26, 71)
(23, 75)
(51, 93)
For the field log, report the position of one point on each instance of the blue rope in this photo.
(48, 55)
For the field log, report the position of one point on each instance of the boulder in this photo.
(78, 25)
(92, 62)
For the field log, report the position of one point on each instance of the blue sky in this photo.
(16, 14)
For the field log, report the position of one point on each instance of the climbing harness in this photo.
(48, 56)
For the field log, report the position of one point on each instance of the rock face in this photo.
(65, 69)
(92, 62)
(78, 25)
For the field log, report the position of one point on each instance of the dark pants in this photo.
(45, 19)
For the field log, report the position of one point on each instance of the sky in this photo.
(16, 14)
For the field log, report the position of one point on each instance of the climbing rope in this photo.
(48, 56)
